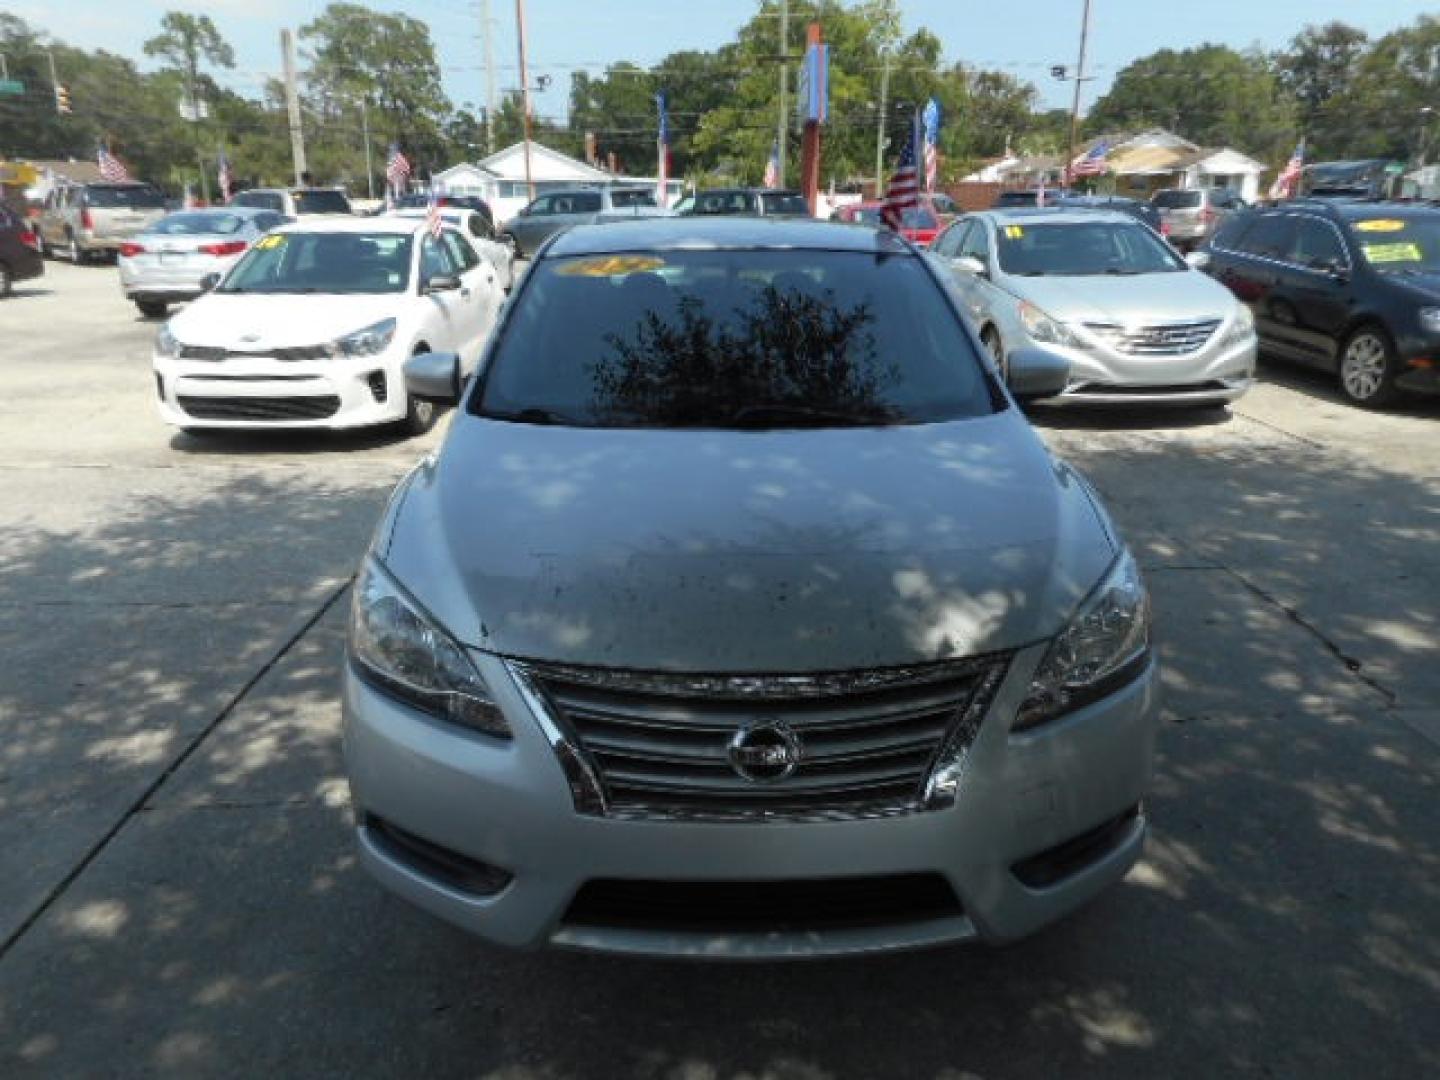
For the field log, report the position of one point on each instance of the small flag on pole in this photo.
(662, 150)
(1092, 162)
(903, 192)
(433, 221)
(397, 170)
(931, 119)
(112, 169)
(224, 177)
(1289, 178)
(772, 167)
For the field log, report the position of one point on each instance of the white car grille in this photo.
(1161, 339)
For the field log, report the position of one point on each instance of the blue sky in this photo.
(1023, 38)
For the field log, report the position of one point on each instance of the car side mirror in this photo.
(1198, 260)
(434, 377)
(209, 281)
(1036, 373)
(973, 265)
(441, 283)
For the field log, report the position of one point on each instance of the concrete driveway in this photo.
(178, 894)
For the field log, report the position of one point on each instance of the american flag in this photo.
(772, 167)
(433, 221)
(931, 119)
(1289, 177)
(903, 192)
(662, 150)
(112, 169)
(224, 176)
(1092, 162)
(397, 169)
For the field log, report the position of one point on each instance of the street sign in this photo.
(11, 86)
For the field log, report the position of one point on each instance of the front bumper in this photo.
(255, 393)
(1216, 374)
(507, 804)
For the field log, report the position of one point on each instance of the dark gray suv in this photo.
(557, 210)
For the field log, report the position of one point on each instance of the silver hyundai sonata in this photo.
(742, 614)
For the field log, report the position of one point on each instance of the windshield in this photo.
(867, 215)
(1408, 245)
(300, 262)
(1176, 200)
(1078, 248)
(1017, 198)
(918, 218)
(137, 197)
(632, 198)
(737, 340)
(218, 223)
(784, 204)
(321, 202)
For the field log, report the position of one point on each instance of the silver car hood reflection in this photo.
(1127, 299)
(777, 551)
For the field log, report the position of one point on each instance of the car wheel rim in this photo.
(74, 251)
(424, 411)
(1363, 371)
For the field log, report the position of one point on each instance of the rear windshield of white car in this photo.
(734, 340)
(129, 197)
(1176, 200)
(216, 223)
(300, 262)
(1032, 249)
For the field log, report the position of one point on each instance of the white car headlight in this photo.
(1242, 329)
(367, 342)
(1430, 319)
(398, 647)
(166, 344)
(1105, 644)
(1045, 329)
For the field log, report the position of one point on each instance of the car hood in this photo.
(278, 320)
(1425, 288)
(747, 551)
(1135, 298)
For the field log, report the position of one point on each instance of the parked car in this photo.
(1190, 216)
(311, 328)
(919, 224)
(449, 202)
(558, 210)
(20, 258)
(476, 228)
(1369, 178)
(294, 202)
(743, 614)
(1134, 207)
(169, 261)
(751, 202)
(1009, 200)
(86, 220)
(1352, 288)
(1137, 324)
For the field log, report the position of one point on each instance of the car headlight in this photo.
(1430, 319)
(1242, 329)
(1105, 645)
(397, 646)
(367, 342)
(1043, 328)
(166, 344)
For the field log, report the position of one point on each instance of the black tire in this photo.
(1369, 367)
(152, 309)
(990, 338)
(420, 416)
(75, 251)
(7, 281)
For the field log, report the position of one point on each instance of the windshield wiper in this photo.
(781, 412)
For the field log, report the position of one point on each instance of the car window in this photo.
(918, 218)
(321, 201)
(463, 254)
(633, 197)
(478, 226)
(784, 203)
(948, 242)
(320, 262)
(1177, 200)
(1228, 236)
(1016, 198)
(436, 259)
(1316, 245)
(1074, 248)
(267, 221)
(541, 206)
(730, 339)
(1270, 236)
(976, 243)
(196, 223)
(263, 200)
(1400, 245)
(128, 197)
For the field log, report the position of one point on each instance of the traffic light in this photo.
(62, 99)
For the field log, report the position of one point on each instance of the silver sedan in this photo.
(170, 260)
(1137, 324)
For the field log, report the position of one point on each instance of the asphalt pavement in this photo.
(179, 897)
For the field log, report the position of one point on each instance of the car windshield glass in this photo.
(788, 203)
(1400, 245)
(734, 340)
(632, 198)
(1017, 198)
(300, 262)
(1079, 248)
(138, 197)
(321, 202)
(218, 223)
(1176, 200)
(868, 215)
(918, 218)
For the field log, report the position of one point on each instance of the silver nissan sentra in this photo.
(742, 614)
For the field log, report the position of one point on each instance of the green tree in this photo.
(1380, 113)
(1317, 70)
(185, 41)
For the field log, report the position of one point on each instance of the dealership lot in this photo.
(179, 895)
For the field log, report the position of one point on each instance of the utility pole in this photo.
(365, 130)
(292, 105)
(192, 77)
(784, 81)
(488, 37)
(1079, 82)
(524, 93)
(880, 125)
(54, 79)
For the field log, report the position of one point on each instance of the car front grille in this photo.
(217, 353)
(316, 407)
(857, 744)
(1163, 339)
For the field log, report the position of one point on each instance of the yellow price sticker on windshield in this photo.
(265, 243)
(1393, 253)
(611, 265)
(1014, 232)
(1380, 225)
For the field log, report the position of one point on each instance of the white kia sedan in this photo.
(311, 328)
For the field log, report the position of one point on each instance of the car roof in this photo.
(1359, 208)
(238, 211)
(1019, 215)
(340, 223)
(723, 232)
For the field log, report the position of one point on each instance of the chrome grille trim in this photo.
(649, 746)
(216, 353)
(1159, 339)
